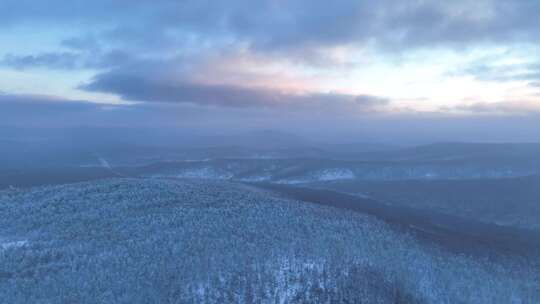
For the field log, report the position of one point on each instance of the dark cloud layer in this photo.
(283, 25)
(160, 89)
(40, 104)
(48, 111)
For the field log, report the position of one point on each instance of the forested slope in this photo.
(170, 241)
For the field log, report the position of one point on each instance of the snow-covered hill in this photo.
(202, 241)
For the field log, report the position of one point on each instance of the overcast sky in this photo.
(444, 70)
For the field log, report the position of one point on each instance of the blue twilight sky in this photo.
(452, 67)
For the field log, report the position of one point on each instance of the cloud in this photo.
(503, 72)
(20, 109)
(56, 112)
(39, 103)
(267, 26)
(87, 59)
(61, 60)
(105, 35)
(84, 43)
(499, 107)
(40, 111)
(149, 87)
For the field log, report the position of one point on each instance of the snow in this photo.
(292, 181)
(197, 160)
(335, 174)
(321, 176)
(205, 173)
(15, 244)
(430, 175)
(255, 178)
(104, 163)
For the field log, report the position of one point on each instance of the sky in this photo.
(376, 70)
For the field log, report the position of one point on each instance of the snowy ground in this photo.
(4, 245)
(208, 241)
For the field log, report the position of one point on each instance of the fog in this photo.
(37, 119)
